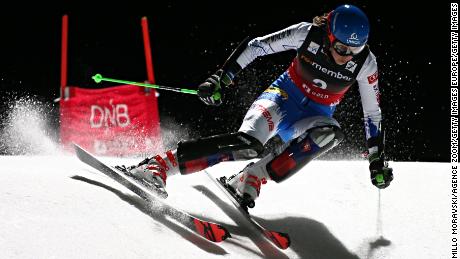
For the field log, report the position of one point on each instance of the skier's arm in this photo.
(289, 38)
(247, 51)
(369, 91)
(370, 98)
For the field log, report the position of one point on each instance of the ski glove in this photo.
(381, 174)
(209, 92)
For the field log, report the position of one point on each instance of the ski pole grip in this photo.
(216, 96)
(97, 78)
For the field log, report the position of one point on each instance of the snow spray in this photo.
(26, 129)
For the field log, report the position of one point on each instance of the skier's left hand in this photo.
(381, 174)
(210, 92)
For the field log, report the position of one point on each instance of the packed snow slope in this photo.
(57, 207)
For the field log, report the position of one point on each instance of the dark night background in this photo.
(190, 41)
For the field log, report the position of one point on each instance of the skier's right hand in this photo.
(209, 92)
(381, 174)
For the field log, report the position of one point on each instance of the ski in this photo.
(280, 240)
(210, 231)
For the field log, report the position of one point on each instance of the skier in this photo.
(331, 56)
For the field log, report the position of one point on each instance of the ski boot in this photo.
(151, 172)
(247, 183)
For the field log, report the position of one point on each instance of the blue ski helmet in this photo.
(349, 25)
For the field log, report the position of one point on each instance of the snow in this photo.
(55, 206)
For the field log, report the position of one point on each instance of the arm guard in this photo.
(231, 68)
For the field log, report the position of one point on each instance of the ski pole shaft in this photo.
(99, 78)
(379, 216)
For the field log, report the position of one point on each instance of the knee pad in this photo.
(302, 150)
(322, 136)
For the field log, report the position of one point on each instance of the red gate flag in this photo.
(115, 121)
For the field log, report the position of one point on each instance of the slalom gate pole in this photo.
(64, 44)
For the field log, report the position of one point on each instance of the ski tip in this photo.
(211, 231)
(80, 152)
(77, 147)
(281, 240)
(226, 233)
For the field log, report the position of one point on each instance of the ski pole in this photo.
(99, 78)
(379, 216)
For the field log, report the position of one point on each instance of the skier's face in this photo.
(339, 60)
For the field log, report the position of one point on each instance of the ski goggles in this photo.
(345, 50)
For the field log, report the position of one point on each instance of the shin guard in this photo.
(196, 155)
(302, 150)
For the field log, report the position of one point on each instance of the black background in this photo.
(190, 41)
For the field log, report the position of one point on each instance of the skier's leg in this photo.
(197, 154)
(263, 117)
(259, 125)
(310, 145)
(320, 134)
